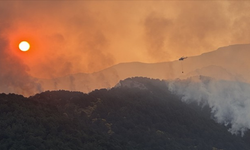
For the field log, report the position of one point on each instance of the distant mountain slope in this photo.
(231, 62)
(213, 72)
(139, 113)
(234, 59)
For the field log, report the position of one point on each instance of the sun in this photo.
(24, 46)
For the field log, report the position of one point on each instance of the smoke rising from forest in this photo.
(229, 100)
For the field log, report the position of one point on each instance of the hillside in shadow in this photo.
(138, 113)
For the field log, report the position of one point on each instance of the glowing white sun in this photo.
(24, 46)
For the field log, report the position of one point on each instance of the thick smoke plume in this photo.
(228, 100)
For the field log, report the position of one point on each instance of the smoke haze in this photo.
(14, 77)
(69, 37)
(86, 36)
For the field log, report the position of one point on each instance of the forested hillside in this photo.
(137, 114)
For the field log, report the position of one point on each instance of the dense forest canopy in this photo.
(139, 113)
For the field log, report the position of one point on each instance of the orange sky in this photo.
(86, 36)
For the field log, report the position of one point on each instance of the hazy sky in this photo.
(86, 36)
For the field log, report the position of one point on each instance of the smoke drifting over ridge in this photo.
(228, 100)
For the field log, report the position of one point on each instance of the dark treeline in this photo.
(140, 114)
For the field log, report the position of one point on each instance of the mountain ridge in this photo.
(227, 58)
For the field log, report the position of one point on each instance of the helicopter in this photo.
(181, 59)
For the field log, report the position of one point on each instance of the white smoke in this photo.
(228, 100)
